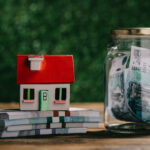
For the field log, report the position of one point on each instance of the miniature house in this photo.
(45, 81)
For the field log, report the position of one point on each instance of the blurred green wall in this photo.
(78, 27)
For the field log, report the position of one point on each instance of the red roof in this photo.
(54, 69)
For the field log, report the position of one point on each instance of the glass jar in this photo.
(127, 81)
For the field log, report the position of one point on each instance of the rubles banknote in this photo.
(137, 93)
(129, 86)
(140, 59)
(118, 105)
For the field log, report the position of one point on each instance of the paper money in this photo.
(18, 114)
(129, 89)
(117, 102)
(6, 123)
(119, 63)
(51, 126)
(137, 93)
(115, 83)
(36, 132)
(140, 59)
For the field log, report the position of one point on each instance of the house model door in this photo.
(44, 100)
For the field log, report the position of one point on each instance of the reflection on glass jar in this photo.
(127, 81)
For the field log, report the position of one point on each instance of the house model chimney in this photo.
(35, 62)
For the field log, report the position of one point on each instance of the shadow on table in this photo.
(66, 139)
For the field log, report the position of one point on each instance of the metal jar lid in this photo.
(131, 31)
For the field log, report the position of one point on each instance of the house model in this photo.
(45, 81)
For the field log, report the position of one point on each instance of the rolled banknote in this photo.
(119, 63)
(129, 88)
(140, 59)
(137, 93)
(117, 104)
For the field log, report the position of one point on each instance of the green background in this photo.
(78, 27)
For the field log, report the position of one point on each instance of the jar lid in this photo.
(131, 31)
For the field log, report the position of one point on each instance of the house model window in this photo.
(28, 95)
(35, 62)
(60, 95)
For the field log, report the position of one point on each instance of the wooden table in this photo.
(95, 138)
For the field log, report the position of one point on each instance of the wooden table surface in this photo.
(95, 138)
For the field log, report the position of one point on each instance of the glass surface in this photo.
(118, 115)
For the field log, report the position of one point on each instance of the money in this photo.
(119, 63)
(129, 88)
(4, 134)
(117, 101)
(6, 123)
(140, 59)
(19, 114)
(15, 123)
(117, 105)
(51, 126)
(137, 93)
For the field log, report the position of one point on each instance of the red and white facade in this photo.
(49, 75)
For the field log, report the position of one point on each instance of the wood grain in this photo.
(95, 138)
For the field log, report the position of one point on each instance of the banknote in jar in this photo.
(117, 101)
(137, 93)
(140, 59)
(117, 104)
